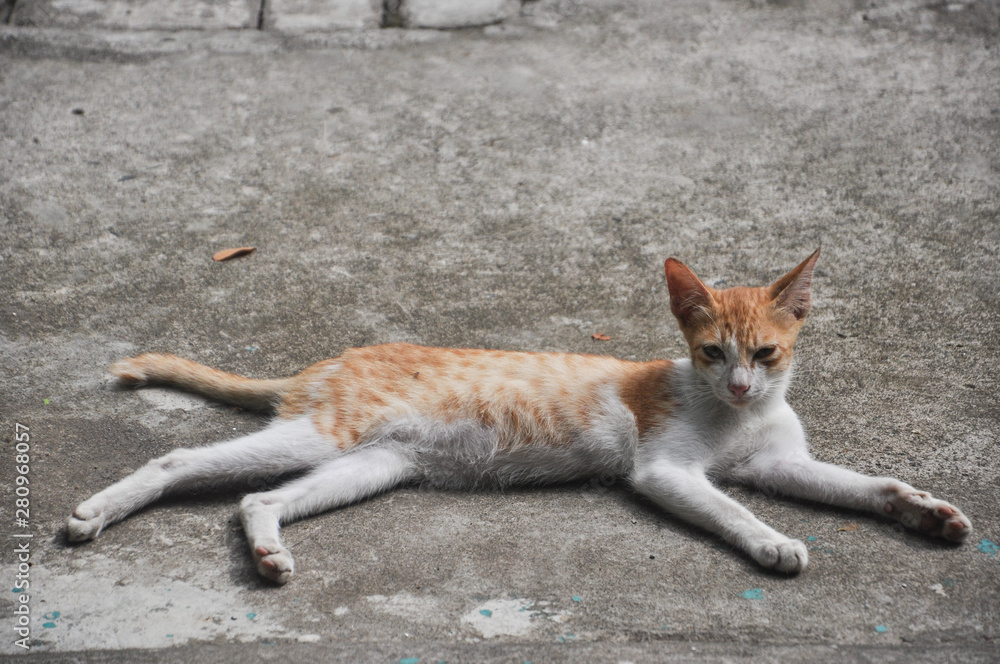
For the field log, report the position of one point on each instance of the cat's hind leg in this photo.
(284, 446)
(346, 479)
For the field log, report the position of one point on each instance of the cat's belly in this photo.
(466, 453)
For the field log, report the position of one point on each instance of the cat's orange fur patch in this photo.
(528, 398)
(749, 317)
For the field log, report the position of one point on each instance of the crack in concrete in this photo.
(392, 14)
(7, 11)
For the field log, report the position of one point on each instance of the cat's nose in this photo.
(738, 390)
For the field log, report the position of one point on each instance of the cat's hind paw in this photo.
(787, 555)
(921, 511)
(274, 563)
(84, 525)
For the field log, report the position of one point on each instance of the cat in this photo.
(381, 416)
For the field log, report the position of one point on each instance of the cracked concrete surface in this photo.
(516, 186)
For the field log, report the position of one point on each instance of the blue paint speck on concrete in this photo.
(753, 593)
(170, 636)
(251, 615)
(486, 612)
(409, 660)
(811, 538)
(48, 625)
(989, 548)
(52, 615)
(17, 590)
(576, 598)
(881, 629)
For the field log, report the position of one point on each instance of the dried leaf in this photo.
(848, 527)
(226, 254)
(600, 337)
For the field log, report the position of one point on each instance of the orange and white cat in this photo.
(378, 417)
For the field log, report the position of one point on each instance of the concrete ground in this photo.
(516, 186)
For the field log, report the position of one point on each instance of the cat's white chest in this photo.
(771, 431)
(721, 440)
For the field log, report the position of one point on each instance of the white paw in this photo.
(84, 524)
(274, 562)
(921, 511)
(784, 555)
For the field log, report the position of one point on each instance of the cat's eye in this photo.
(713, 352)
(764, 353)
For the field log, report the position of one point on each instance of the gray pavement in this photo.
(512, 186)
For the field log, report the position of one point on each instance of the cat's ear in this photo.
(791, 292)
(687, 294)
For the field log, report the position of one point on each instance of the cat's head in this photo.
(741, 338)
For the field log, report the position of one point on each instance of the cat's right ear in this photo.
(791, 292)
(687, 294)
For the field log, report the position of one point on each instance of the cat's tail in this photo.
(166, 369)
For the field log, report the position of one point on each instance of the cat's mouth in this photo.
(740, 401)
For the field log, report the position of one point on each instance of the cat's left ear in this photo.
(791, 292)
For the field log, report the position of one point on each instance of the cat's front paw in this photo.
(784, 555)
(921, 511)
(274, 562)
(84, 524)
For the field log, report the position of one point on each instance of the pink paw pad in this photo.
(921, 511)
(274, 565)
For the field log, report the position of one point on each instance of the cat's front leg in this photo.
(801, 476)
(687, 493)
